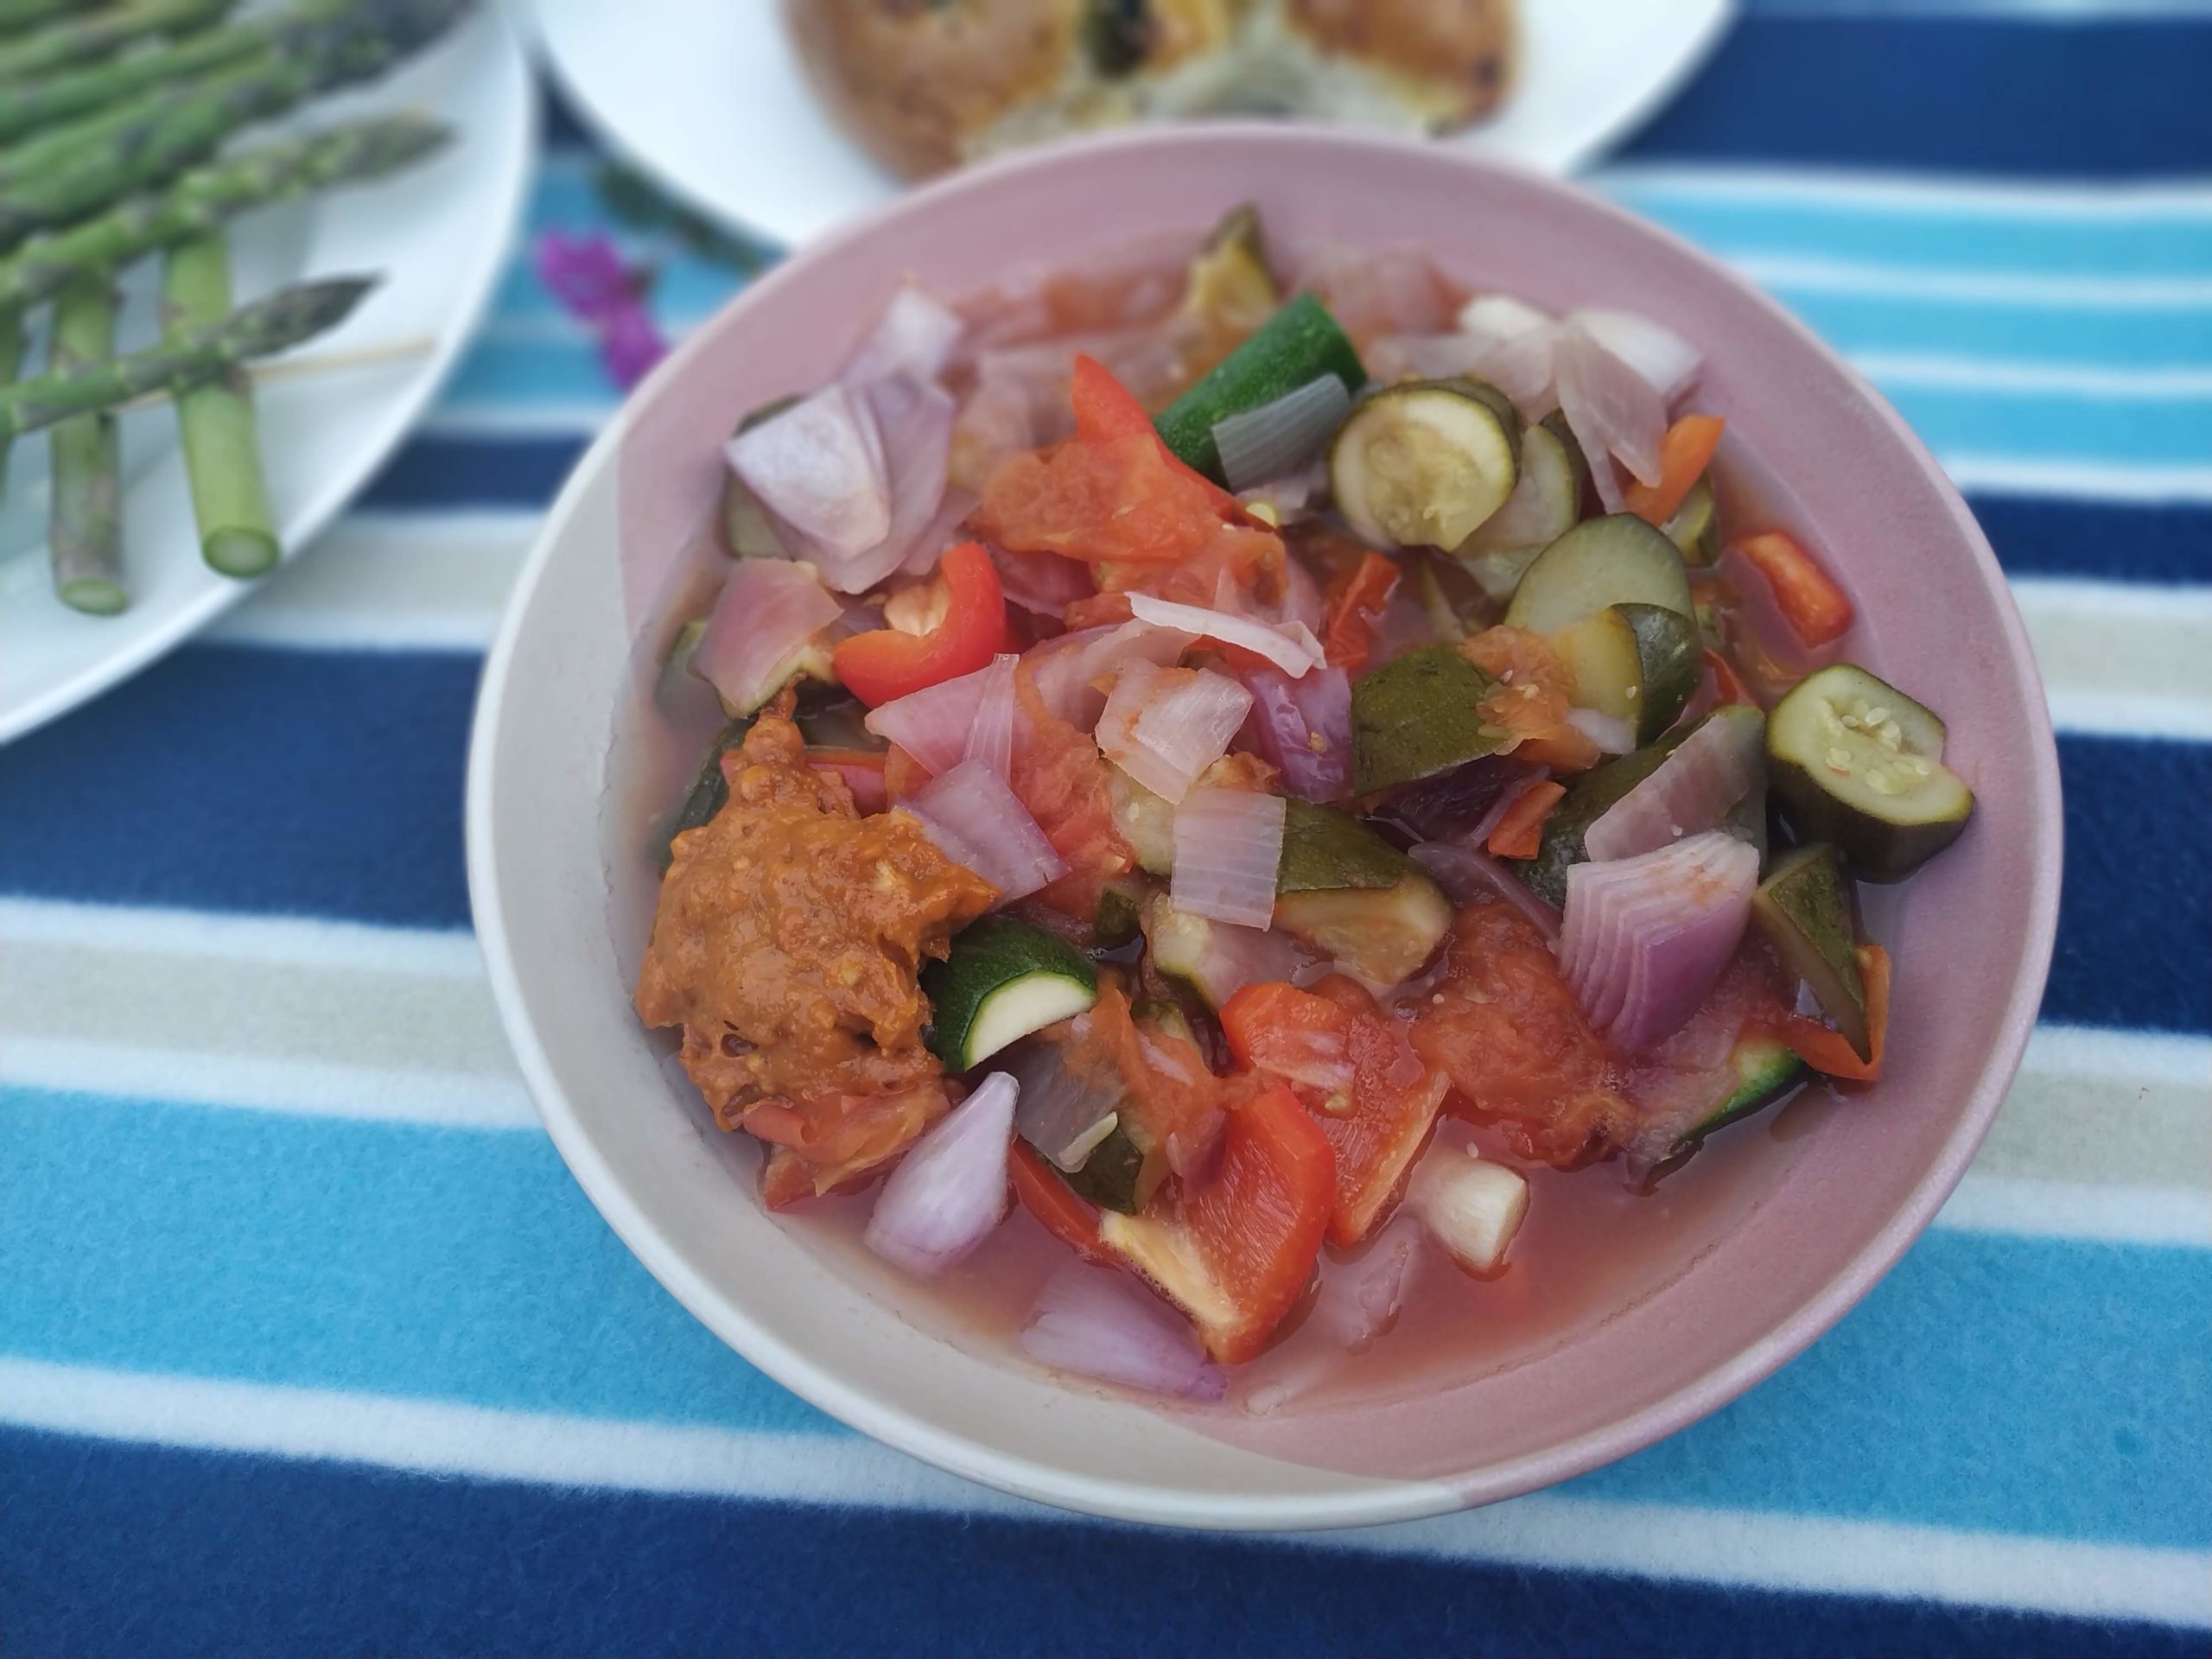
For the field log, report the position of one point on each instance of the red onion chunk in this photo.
(1070, 673)
(917, 335)
(949, 1190)
(763, 622)
(933, 724)
(1290, 646)
(1099, 1324)
(1667, 362)
(915, 419)
(1512, 345)
(1466, 874)
(1611, 410)
(1303, 728)
(1228, 845)
(1644, 938)
(1064, 1113)
(990, 740)
(977, 821)
(1044, 584)
(941, 535)
(819, 467)
(1691, 790)
(1452, 805)
(1165, 726)
(1372, 292)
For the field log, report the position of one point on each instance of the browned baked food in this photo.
(928, 84)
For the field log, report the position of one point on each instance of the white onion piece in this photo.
(915, 334)
(990, 740)
(933, 724)
(818, 466)
(1644, 938)
(915, 422)
(977, 821)
(1689, 791)
(1282, 435)
(949, 1190)
(1228, 845)
(1611, 410)
(1165, 726)
(1470, 1207)
(1465, 873)
(1064, 1113)
(765, 621)
(1667, 362)
(1609, 732)
(1290, 646)
(1427, 357)
(1500, 316)
(1098, 1323)
(1303, 728)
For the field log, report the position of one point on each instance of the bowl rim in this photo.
(881, 1416)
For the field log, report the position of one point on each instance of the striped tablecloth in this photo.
(308, 1345)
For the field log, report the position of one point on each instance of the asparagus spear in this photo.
(207, 196)
(57, 98)
(83, 171)
(85, 532)
(94, 35)
(11, 358)
(28, 14)
(222, 456)
(268, 326)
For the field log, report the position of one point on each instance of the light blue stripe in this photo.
(2038, 1387)
(2079, 336)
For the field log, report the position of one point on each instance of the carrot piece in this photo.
(1684, 453)
(1826, 1051)
(1520, 833)
(1815, 608)
(1054, 1205)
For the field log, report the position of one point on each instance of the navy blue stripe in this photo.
(1952, 94)
(329, 783)
(438, 473)
(2038, 536)
(131, 1549)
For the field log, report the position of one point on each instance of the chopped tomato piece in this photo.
(1816, 609)
(1238, 1253)
(1531, 700)
(1827, 1051)
(1098, 611)
(1058, 774)
(1520, 833)
(886, 664)
(1054, 1205)
(1355, 602)
(1106, 410)
(1292, 1034)
(1684, 453)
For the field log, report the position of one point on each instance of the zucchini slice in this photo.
(1230, 280)
(1804, 909)
(1546, 500)
(1640, 664)
(1766, 1069)
(1695, 527)
(1300, 343)
(1414, 717)
(709, 792)
(1860, 764)
(1425, 463)
(1004, 980)
(1616, 560)
(1385, 935)
(1146, 821)
(1323, 850)
(1124, 1171)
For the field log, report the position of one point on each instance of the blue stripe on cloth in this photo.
(155, 1552)
(1950, 94)
(440, 473)
(2086, 335)
(465, 1265)
(2054, 536)
(329, 783)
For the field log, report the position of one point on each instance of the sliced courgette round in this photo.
(1640, 664)
(1804, 909)
(1616, 560)
(1424, 463)
(1546, 498)
(1385, 935)
(1414, 717)
(1005, 979)
(1860, 764)
(1695, 527)
(1765, 1069)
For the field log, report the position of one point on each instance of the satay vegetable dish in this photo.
(1243, 780)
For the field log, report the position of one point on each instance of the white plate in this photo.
(708, 98)
(439, 233)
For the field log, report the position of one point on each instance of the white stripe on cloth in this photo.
(1729, 1546)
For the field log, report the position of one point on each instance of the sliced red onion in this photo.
(1099, 1324)
(1612, 735)
(1165, 726)
(1282, 435)
(1064, 1113)
(933, 724)
(1376, 291)
(1298, 611)
(1425, 357)
(990, 740)
(1044, 584)
(1228, 845)
(1452, 805)
(1360, 1299)
(1069, 672)
(915, 420)
(1611, 410)
(1667, 362)
(1303, 728)
(1500, 316)
(1513, 346)
(977, 821)
(917, 335)
(1465, 873)
(941, 535)
(949, 1190)
(765, 621)
(818, 466)
(1644, 938)
(1290, 646)
(1689, 791)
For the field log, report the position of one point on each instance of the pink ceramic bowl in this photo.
(567, 770)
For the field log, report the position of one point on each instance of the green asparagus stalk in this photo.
(222, 455)
(11, 358)
(94, 35)
(64, 177)
(74, 92)
(268, 326)
(207, 196)
(85, 531)
(16, 15)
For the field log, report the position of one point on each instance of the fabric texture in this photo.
(310, 1344)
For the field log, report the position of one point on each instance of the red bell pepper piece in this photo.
(1355, 604)
(1816, 609)
(1055, 1205)
(1520, 833)
(1684, 453)
(884, 664)
(1826, 1050)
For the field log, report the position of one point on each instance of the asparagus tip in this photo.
(238, 551)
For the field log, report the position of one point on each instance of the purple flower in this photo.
(586, 274)
(630, 344)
